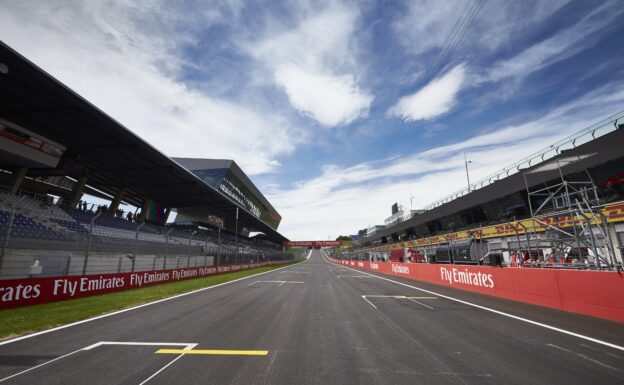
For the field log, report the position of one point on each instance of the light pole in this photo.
(467, 175)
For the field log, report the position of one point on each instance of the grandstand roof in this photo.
(596, 152)
(203, 164)
(110, 155)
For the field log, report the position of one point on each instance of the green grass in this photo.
(24, 320)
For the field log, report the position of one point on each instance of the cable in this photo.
(458, 31)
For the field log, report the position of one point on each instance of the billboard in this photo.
(312, 244)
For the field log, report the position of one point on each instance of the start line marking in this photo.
(187, 346)
(413, 299)
(188, 349)
(280, 282)
(353, 276)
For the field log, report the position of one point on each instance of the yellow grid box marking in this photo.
(215, 352)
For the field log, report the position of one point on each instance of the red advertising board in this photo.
(595, 293)
(313, 244)
(22, 292)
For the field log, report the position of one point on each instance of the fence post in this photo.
(7, 234)
(136, 242)
(86, 259)
(166, 248)
(68, 263)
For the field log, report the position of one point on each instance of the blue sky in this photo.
(337, 109)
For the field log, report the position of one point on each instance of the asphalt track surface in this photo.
(317, 328)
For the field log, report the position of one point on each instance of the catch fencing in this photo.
(84, 254)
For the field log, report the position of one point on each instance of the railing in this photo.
(590, 133)
(81, 254)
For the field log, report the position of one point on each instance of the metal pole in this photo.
(136, 242)
(68, 263)
(86, 259)
(7, 235)
(236, 230)
(188, 252)
(467, 175)
(528, 240)
(166, 248)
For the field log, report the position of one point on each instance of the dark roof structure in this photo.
(193, 164)
(97, 146)
(594, 153)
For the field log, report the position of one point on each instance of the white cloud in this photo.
(342, 200)
(434, 99)
(496, 26)
(314, 64)
(427, 24)
(125, 59)
(560, 46)
(331, 100)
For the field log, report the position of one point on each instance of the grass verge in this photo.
(24, 320)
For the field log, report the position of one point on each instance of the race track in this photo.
(319, 323)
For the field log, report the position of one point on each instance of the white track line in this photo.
(546, 326)
(187, 346)
(353, 276)
(168, 365)
(369, 302)
(420, 303)
(40, 365)
(584, 356)
(161, 369)
(133, 308)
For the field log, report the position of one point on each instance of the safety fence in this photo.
(29, 258)
(594, 293)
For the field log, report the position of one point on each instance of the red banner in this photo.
(313, 244)
(595, 293)
(22, 292)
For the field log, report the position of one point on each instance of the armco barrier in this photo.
(23, 292)
(595, 293)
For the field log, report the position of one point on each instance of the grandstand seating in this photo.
(26, 227)
(37, 218)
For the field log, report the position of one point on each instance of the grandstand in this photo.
(562, 206)
(57, 149)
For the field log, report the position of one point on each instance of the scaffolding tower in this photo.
(569, 218)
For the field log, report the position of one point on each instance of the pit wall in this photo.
(24, 292)
(594, 293)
